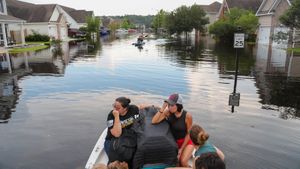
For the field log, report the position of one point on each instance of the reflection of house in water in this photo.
(278, 80)
(8, 97)
(13, 67)
(48, 61)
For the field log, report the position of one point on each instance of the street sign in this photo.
(234, 99)
(239, 40)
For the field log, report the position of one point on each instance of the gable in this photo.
(268, 7)
(30, 12)
(251, 5)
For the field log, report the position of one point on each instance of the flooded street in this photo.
(54, 106)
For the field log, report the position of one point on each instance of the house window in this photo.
(1, 6)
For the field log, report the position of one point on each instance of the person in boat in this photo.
(140, 39)
(209, 161)
(200, 139)
(206, 161)
(120, 118)
(180, 123)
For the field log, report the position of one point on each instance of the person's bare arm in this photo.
(161, 114)
(116, 131)
(220, 153)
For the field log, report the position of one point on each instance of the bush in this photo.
(37, 38)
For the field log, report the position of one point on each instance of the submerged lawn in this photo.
(34, 48)
(296, 50)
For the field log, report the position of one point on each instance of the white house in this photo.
(43, 19)
(7, 20)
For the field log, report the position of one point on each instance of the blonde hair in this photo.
(198, 135)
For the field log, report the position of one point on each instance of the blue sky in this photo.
(121, 7)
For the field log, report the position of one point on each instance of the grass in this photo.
(34, 48)
(34, 43)
(296, 50)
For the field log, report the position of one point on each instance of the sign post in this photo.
(239, 42)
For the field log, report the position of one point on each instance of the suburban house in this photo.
(80, 16)
(49, 19)
(42, 19)
(251, 5)
(269, 24)
(212, 11)
(6, 36)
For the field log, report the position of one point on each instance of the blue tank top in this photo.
(207, 147)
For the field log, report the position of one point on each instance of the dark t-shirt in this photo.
(126, 120)
(178, 126)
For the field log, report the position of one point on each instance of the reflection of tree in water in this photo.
(226, 59)
(187, 54)
(93, 46)
(283, 92)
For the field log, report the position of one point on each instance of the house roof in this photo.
(8, 18)
(80, 16)
(269, 11)
(30, 12)
(251, 5)
(212, 8)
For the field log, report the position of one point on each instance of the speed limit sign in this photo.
(239, 40)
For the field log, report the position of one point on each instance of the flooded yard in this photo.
(55, 103)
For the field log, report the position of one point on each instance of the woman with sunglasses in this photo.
(121, 117)
(180, 123)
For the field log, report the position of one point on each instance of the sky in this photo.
(122, 7)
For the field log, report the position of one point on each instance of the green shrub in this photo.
(37, 38)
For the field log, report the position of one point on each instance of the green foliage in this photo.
(114, 25)
(185, 19)
(197, 15)
(83, 29)
(291, 18)
(36, 37)
(237, 20)
(159, 20)
(93, 25)
(126, 24)
(136, 19)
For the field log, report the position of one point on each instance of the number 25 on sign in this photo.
(239, 40)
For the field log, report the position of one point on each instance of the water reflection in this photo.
(48, 62)
(278, 80)
(8, 97)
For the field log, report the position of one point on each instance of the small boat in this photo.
(98, 154)
(158, 135)
(138, 43)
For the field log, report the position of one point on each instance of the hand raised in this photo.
(116, 113)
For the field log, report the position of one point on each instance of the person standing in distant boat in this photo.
(121, 117)
(180, 123)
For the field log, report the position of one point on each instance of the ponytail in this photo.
(124, 101)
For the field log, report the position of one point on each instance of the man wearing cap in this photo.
(180, 123)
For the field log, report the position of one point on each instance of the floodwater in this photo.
(55, 102)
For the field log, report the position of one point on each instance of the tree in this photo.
(291, 18)
(126, 24)
(93, 25)
(159, 20)
(236, 20)
(197, 15)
